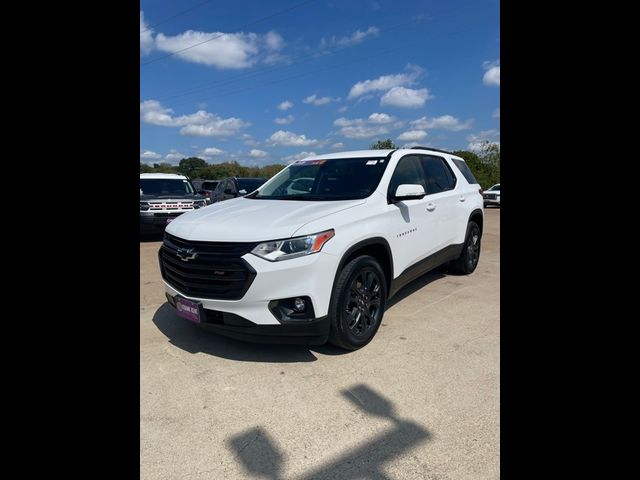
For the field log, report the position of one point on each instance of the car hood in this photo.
(248, 220)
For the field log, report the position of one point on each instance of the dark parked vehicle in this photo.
(205, 187)
(233, 187)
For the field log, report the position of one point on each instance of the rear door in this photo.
(442, 198)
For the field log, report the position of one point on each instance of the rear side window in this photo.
(464, 169)
(439, 177)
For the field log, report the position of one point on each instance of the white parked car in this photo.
(492, 196)
(164, 196)
(320, 263)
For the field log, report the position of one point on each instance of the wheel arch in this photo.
(477, 216)
(376, 247)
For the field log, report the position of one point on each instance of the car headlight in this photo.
(277, 250)
(199, 203)
(144, 206)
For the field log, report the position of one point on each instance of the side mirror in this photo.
(408, 191)
(242, 192)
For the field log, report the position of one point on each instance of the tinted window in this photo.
(438, 175)
(230, 186)
(408, 171)
(250, 184)
(209, 185)
(464, 169)
(495, 187)
(165, 186)
(326, 179)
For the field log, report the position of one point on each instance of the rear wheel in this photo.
(357, 303)
(470, 255)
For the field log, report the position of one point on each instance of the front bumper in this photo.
(491, 201)
(310, 276)
(310, 332)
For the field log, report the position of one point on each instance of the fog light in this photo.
(299, 305)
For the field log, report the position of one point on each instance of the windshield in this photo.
(165, 186)
(334, 179)
(209, 185)
(495, 187)
(250, 184)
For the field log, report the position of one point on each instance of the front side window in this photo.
(439, 177)
(408, 171)
(165, 186)
(250, 184)
(330, 179)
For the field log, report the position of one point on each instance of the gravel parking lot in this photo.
(421, 401)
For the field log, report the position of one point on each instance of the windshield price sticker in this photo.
(372, 162)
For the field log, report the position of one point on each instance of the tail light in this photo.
(480, 191)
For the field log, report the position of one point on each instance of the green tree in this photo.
(383, 145)
(485, 165)
(144, 168)
(191, 166)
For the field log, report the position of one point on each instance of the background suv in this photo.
(492, 196)
(234, 187)
(318, 262)
(164, 196)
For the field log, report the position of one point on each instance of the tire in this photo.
(356, 313)
(470, 255)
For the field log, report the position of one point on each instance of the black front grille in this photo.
(216, 272)
(490, 196)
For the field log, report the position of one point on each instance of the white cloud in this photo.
(355, 38)
(412, 135)
(315, 100)
(290, 139)
(285, 105)
(218, 127)
(284, 120)
(386, 82)
(405, 97)
(363, 131)
(374, 124)
(445, 122)
(146, 36)
(478, 140)
(200, 123)
(343, 109)
(255, 153)
(374, 118)
(174, 156)
(298, 156)
(149, 155)
(212, 151)
(338, 146)
(491, 77)
(221, 50)
(496, 113)
(380, 118)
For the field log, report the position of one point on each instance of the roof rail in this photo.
(418, 147)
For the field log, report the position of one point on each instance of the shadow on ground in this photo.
(260, 455)
(193, 339)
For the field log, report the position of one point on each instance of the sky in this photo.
(270, 82)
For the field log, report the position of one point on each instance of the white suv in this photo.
(164, 196)
(317, 264)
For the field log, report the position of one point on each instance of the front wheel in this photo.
(470, 255)
(357, 303)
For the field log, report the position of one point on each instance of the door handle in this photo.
(431, 207)
(462, 198)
